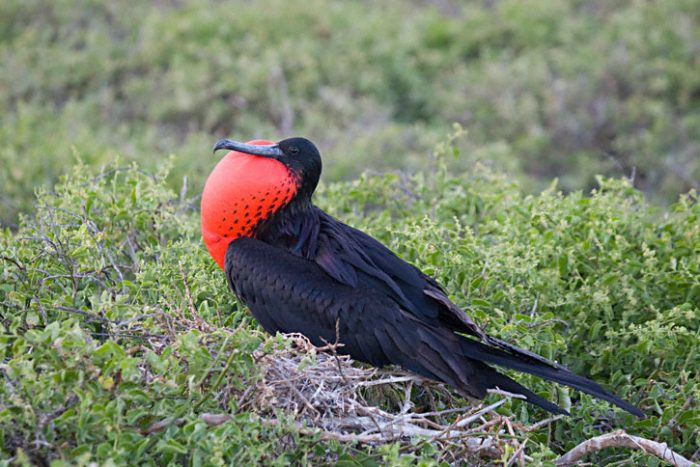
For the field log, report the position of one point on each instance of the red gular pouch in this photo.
(241, 191)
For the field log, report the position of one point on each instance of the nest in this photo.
(328, 395)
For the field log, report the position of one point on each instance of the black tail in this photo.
(509, 356)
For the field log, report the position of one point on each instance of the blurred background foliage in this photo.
(545, 89)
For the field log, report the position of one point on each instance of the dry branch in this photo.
(161, 424)
(620, 439)
(214, 419)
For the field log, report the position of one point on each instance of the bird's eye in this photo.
(293, 150)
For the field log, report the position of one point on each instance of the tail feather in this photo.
(516, 359)
(504, 383)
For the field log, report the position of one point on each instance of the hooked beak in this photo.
(273, 151)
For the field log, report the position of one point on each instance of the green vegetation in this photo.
(100, 341)
(114, 320)
(566, 89)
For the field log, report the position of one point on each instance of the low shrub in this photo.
(115, 320)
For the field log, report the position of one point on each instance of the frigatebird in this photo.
(299, 270)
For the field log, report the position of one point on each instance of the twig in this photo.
(438, 413)
(485, 426)
(243, 397)
(407, 404)
(14, 261)
(46, 418)
(461, 422)
(214, 419)
(183, 190)
(501, 392)
(302, 398)
(472, 418)
(188, 293)
(518, 454)
(158, 426)
(83, 313)
(541, 423)
(483, 270)
(620, 439)
(333, 348)
(534, 307)
(398, 379)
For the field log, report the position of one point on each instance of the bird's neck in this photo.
(294, 228)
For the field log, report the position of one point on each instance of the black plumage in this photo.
(308, 273)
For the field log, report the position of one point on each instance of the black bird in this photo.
(300, 270)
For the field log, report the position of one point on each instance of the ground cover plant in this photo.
(121, 343)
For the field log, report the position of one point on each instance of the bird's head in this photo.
(251, 183)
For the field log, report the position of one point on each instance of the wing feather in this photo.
(386, 310)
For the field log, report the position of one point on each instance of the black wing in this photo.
(344, 248)
(287, 293)
(350, 256)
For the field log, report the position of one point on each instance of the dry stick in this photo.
(321, 386)
(460, 422)
(398, 379)
(407, 404)
(244, 396)
(484, 411)
(214, 419)
(540, 424)
(83, 313)
(518, 454)
(371, 417)
(501, 392)
(443, 431)
(438, 413)
(303, 399)
(333, 348)
(519, 451)
(696, 454)
(193, 311)
(620, 439)
(157, 426)
(484, 426)
(183, 190)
